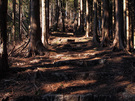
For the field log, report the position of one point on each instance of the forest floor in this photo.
(75, 70)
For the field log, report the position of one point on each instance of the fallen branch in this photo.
(25, 45)
(13, 51)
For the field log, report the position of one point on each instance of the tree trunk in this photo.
(113, 18)
(3, 27)
(81, 16)
(75, 7)
(87, 18)
(20, 20)
(63, 2)
(91, 15)
(105, 23)
(76, 18)
(36, 46)
(57, 14)
(124, 17)
(95, 35)
(127, 24)
(44, 36)
(14, 21)
(117, 43)
(47, 19)
(134, 25)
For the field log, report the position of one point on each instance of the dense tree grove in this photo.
(109, 22)
(67, 50)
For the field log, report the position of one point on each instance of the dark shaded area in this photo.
(111, 77)
(90, 74)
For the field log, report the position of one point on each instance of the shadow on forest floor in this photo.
(77, 68)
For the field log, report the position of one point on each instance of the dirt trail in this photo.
(75, 67)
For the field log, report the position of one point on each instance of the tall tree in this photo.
(36, 46)
(57, 14)
(3, 27)
(126, 22)
(87, 18)
(20, 19)
(95, 35)
(47, 19)
(117, 43)
(81, 16)
(75, 8)
(14, 21)
(43, 23)
(91, 14)
(63, 2)
(105, 23)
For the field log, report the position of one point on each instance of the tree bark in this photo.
(81, 16)
(95, 35)
(105, 23)
(63, 2)
(3, 47)
(117, 43)
(87, 19)
(47, 19)
(20, 20)
(14, 21)
(127, 24)
(43, 24)
(36, 46)
(57, 14)
(76, 18)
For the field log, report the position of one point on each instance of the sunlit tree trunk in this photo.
(76, 14)
(3, 27)
(117, 43)
(87, 18)
(127, 24)
(50, 15)
(124, 17)
(81, 16)
(43, 24)
(36, 46)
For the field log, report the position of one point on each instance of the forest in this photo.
(67, 50)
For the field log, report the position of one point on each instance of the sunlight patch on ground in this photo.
(81, 92)
(64, 40)
(131, 88)
(123, 83)
(52, 87)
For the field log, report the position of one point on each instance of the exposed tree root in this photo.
(114, 48)
(11, 52)
(39, 50)
(26, 45)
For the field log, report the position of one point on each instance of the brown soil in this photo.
(75, 66)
